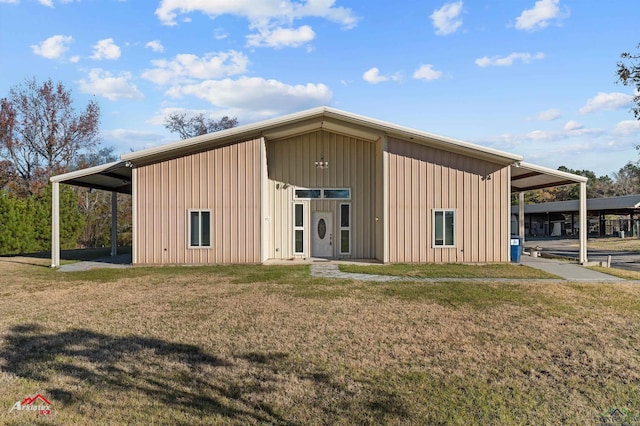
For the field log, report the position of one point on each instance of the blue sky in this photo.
(535, 78)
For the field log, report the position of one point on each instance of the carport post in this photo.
(114, 223)
(55, 224)
(583, 222)
(521, 215)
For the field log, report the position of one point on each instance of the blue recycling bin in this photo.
(516, 248)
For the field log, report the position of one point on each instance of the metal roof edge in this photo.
(264, 126)
(391, 128)
(234, 132)
(85, 172)
(548, 171)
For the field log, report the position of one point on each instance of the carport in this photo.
(527, 177)
(113, 177)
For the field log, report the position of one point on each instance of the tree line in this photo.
(43, 134)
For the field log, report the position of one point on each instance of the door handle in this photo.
(330, 239)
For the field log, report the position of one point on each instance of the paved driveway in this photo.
(569, 248)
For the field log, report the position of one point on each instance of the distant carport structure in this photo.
(527, 177)
(113, 177)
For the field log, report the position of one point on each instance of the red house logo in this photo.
(38, 403)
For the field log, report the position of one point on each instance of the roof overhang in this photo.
(323, 118)
(526, 177)
(115, 177)
(625, 204)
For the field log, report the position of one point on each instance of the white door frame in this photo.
(322, 247)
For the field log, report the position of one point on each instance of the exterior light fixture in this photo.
(322, 164)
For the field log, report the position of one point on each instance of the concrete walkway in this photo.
(330, 269)
(567, 270)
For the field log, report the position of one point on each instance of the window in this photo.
(343, 194)
(345, 228)
(298, 228)
(314, 193)
(444, 228)
(199, 228)
(308, 193)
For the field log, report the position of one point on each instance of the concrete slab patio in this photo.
(567, 270)
(114, 262)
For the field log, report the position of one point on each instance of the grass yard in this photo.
(450, 270)
(272, 345)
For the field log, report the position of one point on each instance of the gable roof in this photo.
(117, 176)
(322, 118)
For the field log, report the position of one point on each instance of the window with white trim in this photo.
(199, 228)
(345, 228)
(298, 228)
(325, 193)
(444, 228)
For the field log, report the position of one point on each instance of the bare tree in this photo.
(41, 134)
(628, 180)
(629, 74)
(197, 125)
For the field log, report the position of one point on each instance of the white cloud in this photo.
(547, 115)
(220, 34)
(373, 76)
(264, 97)
(627, 127)
(262, 14)
(125, 140)
(539, 16)
(446, 19)
(604, 100)
(426, 72)
(573, 125)
(105, 49)
(155, 45)
(103, 83)
(188, 66)
(282, 37)
(53, 47)
(9, 1)
(507, 61)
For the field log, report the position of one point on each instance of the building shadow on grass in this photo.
(127, 364)
(177, 376)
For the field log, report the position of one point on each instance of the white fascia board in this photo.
(552, 172)
(409, 133)
(85, 172)
(265, 127)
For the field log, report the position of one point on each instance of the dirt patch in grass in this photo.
(255, 345)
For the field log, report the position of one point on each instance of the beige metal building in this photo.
(321, 183)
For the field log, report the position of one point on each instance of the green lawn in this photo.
(450, 270)
(273, 345)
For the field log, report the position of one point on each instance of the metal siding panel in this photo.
(460, 204)
(393, 210)
(415, 209)
(423, 241)
(486, 225)
(379, 202)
